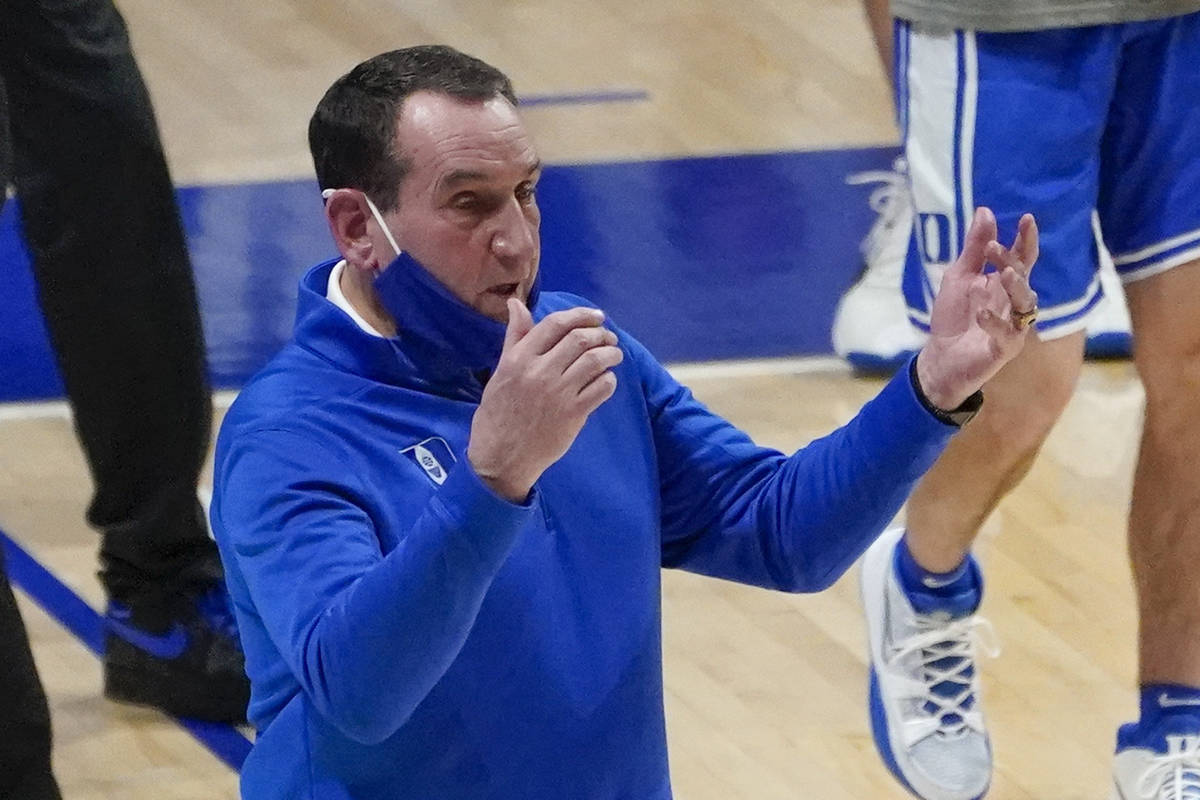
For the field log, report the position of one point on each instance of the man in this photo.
(444, 507)
(79, 142)
(1062, 108)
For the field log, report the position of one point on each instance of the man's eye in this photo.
(526, 192)
(465, 201)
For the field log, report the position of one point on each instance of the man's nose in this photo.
(513, 239)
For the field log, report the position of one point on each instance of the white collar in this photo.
(335, 295)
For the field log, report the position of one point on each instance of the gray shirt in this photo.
(1026, 15)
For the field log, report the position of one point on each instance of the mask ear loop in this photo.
(327, 193)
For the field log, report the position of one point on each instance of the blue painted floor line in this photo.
(224, 741)
(709, 258)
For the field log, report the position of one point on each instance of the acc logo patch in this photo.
(432, 455)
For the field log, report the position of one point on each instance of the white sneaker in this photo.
(870, 326)
(924, 693)
(1142, 773)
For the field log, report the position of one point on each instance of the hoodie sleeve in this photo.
(734, 510)
(366, 635)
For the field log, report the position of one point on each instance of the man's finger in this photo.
(595, 393)
(1026, 244)
(550, 331)
(1007, 260)
(1020, 295)
(1000, 331)
(984, 294)
(591, 364)
(520, 322)
(577, 343)
(979, 234)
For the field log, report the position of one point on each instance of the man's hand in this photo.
(551, 376)
(975, 325)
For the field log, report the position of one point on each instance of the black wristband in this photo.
(964, 413)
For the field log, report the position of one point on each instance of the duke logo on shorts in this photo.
(433, 456)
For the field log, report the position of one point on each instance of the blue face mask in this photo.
(428, 315)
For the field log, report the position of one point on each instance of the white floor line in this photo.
(59, 409)
(692, 371)
(48, 409)
(757, 367)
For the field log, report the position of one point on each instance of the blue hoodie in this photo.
(410, 634)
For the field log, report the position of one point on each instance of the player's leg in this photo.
(1152, 221)
(922, 591)
(976, 133)
(1164, 538)
(986, 461)
(116, 287)
(1164, 525)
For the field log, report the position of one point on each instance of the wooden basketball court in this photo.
(766, 693)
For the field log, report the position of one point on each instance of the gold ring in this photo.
(1023, 319)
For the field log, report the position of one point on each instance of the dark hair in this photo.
(352, 132)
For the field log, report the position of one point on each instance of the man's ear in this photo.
(347, 212)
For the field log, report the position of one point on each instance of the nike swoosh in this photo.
(169, 645)
(1166, 701)
(934, 583)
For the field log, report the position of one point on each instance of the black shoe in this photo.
(177, 653)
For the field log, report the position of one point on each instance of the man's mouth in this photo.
(505, 290)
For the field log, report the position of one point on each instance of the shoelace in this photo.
(1173, 776)
(890, 202)
(947, 660)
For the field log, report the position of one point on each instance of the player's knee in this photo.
(1023, 403)
(1017, 424)
(1167, 339)
(1017, 437)
(1172, 383)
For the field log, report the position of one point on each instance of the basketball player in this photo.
(1062, 108)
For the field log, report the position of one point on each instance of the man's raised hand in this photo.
(550, 378)
(979, 319)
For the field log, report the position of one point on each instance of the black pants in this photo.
(114, 282)
(24, 718)
(80, 143)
